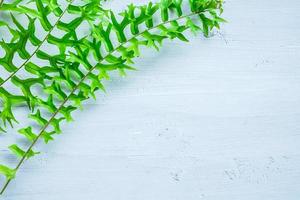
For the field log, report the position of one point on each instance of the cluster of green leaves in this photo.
(78, 70)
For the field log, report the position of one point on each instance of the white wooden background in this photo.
(213, 119)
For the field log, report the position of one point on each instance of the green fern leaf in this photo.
(75, 73)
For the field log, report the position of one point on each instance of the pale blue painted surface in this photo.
(214, 119)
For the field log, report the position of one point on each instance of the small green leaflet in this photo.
(7, 172)
(27, 132)
(20, 152)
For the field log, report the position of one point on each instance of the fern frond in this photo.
(77, 72)
(21, 36)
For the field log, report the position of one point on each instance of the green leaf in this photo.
(20, 152)
(38, 118)
(7, 172)
(192, 26)
(2, 130)
(55, 84)
(27, 132)
(66, 112)
(71, 26)
(47, 136)
(43, 15)
(17, 150)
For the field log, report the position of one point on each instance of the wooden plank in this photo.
(211, 119)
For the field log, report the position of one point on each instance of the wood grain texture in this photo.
(212, 119)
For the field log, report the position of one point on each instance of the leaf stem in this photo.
(38, 47)
(77, 86)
